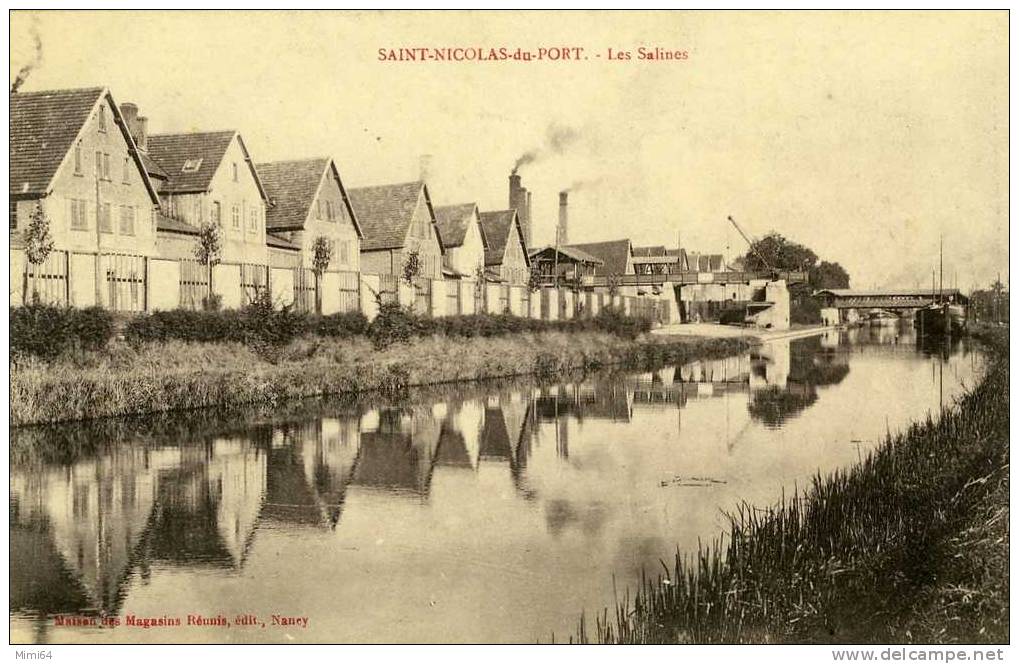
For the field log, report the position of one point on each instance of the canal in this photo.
(488, 513)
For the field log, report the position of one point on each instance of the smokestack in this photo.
(514, 189)
(564, 237)
(518, 201)
(136, 125)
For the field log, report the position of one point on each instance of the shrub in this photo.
(394, 324)
(46, 331)
(343, 325)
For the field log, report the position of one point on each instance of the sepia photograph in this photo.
(493, 327)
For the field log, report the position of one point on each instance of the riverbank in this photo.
(124, 379)
(909, 546)
(752, 335)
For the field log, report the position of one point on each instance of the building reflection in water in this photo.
(82, 528)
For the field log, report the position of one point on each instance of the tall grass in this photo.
(910, 545)
(127, 379)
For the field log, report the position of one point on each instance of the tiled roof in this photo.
(613, 254)
(292, 186)
(575, 255)
(385, 213)
(495, 231)
(453, 222)
(658, 250)
(152, 168)
(172, 151)
(170, 225)
(277, 242)
(43, 126)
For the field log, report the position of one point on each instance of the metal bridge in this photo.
(844, 298)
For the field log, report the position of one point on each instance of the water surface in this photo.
(486, 514)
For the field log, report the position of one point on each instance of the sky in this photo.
(867, 136)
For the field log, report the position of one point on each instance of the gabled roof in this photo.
(43, 128)
(385, 213)
(614, 255)
(495, 233)
(292, 187)
(565, 254)
(453, 222)
(657, 250)
(204, 148)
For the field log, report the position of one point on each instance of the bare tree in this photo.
(208, 252)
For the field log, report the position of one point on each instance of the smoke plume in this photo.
(36, 60)
(558, 140)
(583, 183)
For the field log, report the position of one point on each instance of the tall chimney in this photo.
(564, 237)
(514, 189)
(135, 125)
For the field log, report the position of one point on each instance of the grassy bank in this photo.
(125, 379)
(910, 546)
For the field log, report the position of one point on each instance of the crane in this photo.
(752, 242)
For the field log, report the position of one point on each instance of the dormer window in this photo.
(191, 166)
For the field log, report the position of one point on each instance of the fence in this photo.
(423, 295)
(254, 281)
(350, 291)
(194, 283)
(47, 281)
(124, 282)
(305, 290)
(453, 305)
(389, 288)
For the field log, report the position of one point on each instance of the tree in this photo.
(776, 252)
(208, 252)
(38, 242)
(614, 281)
(828, 275)
(322, 255)
(411, 267)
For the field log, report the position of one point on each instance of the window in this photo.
(318, 209)
(77, 159)
(198, 210)
(102, 119)
(98, 169)
(345, 252)
(235, 216)
(235, 172)
(79, 217)
(126, 220)
(330, 213)
(106, 167)
(217, 213)
(127, 170)
(14, 215)
(105, 221)
(191, 166)
(253, 220)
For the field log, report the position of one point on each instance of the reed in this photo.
(126, 379)
(911, 545)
